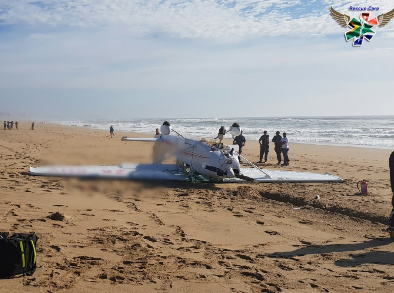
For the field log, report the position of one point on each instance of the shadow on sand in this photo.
(359, 257)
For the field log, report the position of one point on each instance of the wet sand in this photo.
(182, 237)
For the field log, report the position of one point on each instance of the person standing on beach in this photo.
(221, 133)
(111, 131)
(285, 149)
(157, 134)
(264, 146)
(32, 126)
(240, 141)
(16, 125)
(5, 125)
(391, 220)
(158, 152)
(277, 140)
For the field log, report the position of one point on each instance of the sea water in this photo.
(363, 131)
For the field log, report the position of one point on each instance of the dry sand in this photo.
(124, 236)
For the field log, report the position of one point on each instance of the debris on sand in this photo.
(56, 216)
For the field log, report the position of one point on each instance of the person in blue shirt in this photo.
(285, 150)
(111, 131)
(240, 141)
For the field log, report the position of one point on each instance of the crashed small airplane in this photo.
(196, 161)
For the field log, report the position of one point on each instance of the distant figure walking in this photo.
(5, 125)
(264, 146)
(285, 149)
(158, 150)
(12, 124)
(240, 141)
(16, 125)
(32, 126)
(277, 140)
(111, 131)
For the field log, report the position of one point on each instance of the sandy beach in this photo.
(121, 236)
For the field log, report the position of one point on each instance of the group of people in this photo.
(10, 125)
(281, 147)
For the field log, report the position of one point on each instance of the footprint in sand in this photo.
(305, 222)
(150, 238)
(167, 241)
(180, 231)
(55, 247)
(272, 232)
(156, 219)
(88, 215)
(238, 215)
(256, 276)
(134, 207)
(245, 257)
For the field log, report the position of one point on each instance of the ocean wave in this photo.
(369, 131)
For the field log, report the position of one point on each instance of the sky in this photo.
(119, 59)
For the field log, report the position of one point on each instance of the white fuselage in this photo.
(207, 161)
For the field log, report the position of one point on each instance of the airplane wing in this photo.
(169, 172)
(124, 171)
(124, 138)
(271, 176)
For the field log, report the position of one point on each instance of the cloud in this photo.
(186, 19)
(123, 56)
(100, 70)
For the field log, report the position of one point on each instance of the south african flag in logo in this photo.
(360, 31)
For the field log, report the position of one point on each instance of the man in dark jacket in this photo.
(391, 221)
(277, 140)
(240, 141)
(264, 146)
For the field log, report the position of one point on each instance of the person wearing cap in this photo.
(264, 146)
(285, 149)
(277, 140)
